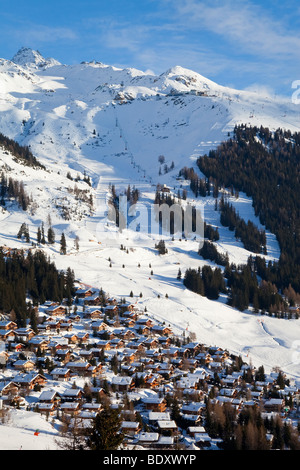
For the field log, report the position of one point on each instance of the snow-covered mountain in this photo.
(112, 124)
(90, 109)
(29, 58)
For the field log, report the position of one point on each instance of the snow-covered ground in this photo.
(113, 124)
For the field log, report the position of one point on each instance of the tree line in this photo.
(31, 276)
(20, 152)
(13, 189)
(207, 281)
(266, 166)
(252, 238)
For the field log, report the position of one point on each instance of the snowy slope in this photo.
(113, 124)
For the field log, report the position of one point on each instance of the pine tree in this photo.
(63, 244)
(106, 434)
(51, 236)
(43, 241)
(39, 235)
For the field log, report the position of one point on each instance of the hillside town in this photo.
(169, 389)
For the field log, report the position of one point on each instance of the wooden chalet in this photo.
(38, 344)
(56, 310)
(72, 408)
(63, 355)
(155, 403)
(8, 335)
(9, 389)
(71, 394)
(131, 428)
(82, 368)
(24, 365)
(161, 330)
(49, 409)
(61, 374)
(30, 380)
(144, 321)
(8, 325)
(44, 328)
(93, 314)
(49, 396)
(24, 334)
(82, 293)
(274, 404)
(122, 383)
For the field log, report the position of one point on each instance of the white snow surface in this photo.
(112, 125)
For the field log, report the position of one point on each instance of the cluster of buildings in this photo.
(96, 352)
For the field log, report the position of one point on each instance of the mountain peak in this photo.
(29, 57)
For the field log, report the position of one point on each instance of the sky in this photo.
(244, 44)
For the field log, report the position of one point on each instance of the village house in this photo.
(8, 325)
(82, 292)
(167, 427)
(193, 408)
(24, 365)
(24, 334)
(72, 408)
(122, 383)
(274, 404)
(30, 381)
(161, 330)
(79, 367)
(56, 310)
(44, 328)
(7, 335)
(155, 403)
(49, 396)
(71, 394)
(147, 439)
(49, 409)
(37, 343)
(131, 428)
(9, 390)
(63, 355)
(93, 314)
(61, 374)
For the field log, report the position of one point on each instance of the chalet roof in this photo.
(4, 323)
(71, 392)
(45, 406)
(4, 385)
(121, 380)
(60, 371)
(192, 407)
(27, 378)
(165, 440)
(22, 362)
(153, 400)
(159, 415)
(91, 406)
(167, 424)
(69, 405)
(7, 332)
(148, 436)
(47, 395)
(130, 425)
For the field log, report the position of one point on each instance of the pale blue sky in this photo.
(239, 43)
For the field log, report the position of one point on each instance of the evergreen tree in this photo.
(51, 236)
(39, 235)
(106, 434)
(63, 244)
